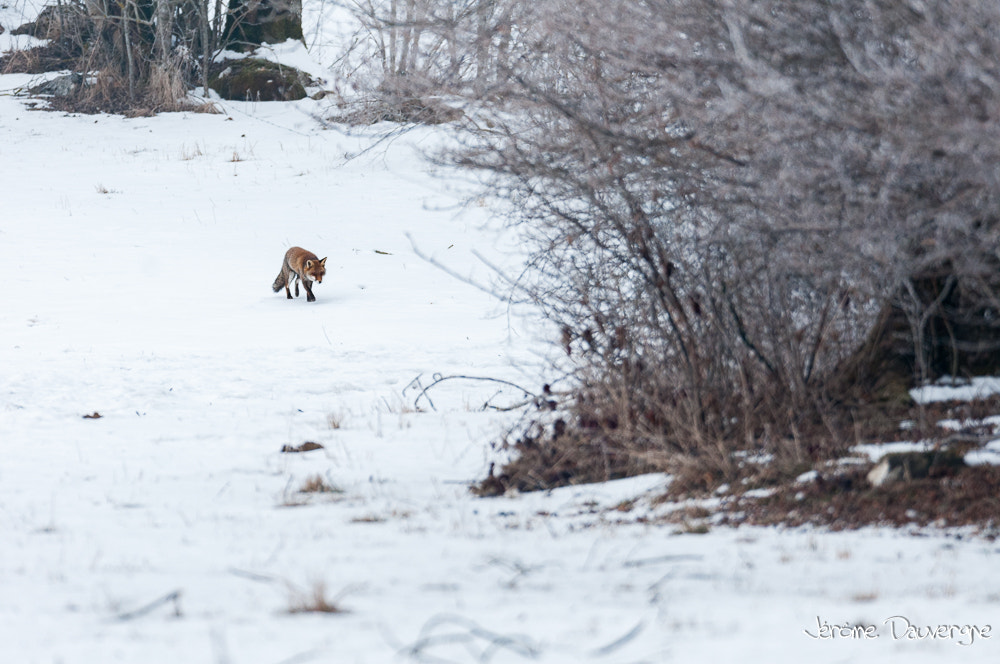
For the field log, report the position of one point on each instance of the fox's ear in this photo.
(323, 262)
(309, 264)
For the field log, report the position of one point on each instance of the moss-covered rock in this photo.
(254, 79)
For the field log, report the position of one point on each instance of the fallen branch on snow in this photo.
(532, 398)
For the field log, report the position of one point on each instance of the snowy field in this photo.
(137, 257)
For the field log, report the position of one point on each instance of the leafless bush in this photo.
(738, 207)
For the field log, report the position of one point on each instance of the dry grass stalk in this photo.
(314, 602)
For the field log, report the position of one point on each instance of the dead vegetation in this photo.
(381, 107)
(930, 486)
(313, 601)
(548, 459)
(54, 56)
(307, 446)
(946, 497)
(317, 484)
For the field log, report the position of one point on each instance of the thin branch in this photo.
(447, 270)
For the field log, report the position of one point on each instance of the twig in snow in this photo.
(471, 635)
(669, 558)
(174, 597)
(438, 379)
(415, 384)
(520, 569)
(619, 642)
(254, 576)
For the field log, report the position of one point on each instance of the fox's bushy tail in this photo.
(279, 283)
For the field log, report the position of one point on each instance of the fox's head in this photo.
(316, 270)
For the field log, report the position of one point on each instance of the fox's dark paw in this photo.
(311, 298)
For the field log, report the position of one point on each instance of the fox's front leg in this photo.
(309, 291)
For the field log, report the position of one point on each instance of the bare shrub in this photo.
(728, 201)
(314, 601)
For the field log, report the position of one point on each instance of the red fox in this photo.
(303, 266)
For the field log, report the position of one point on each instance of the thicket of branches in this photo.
(746, 216)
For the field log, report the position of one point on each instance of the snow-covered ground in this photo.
(137, 258)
